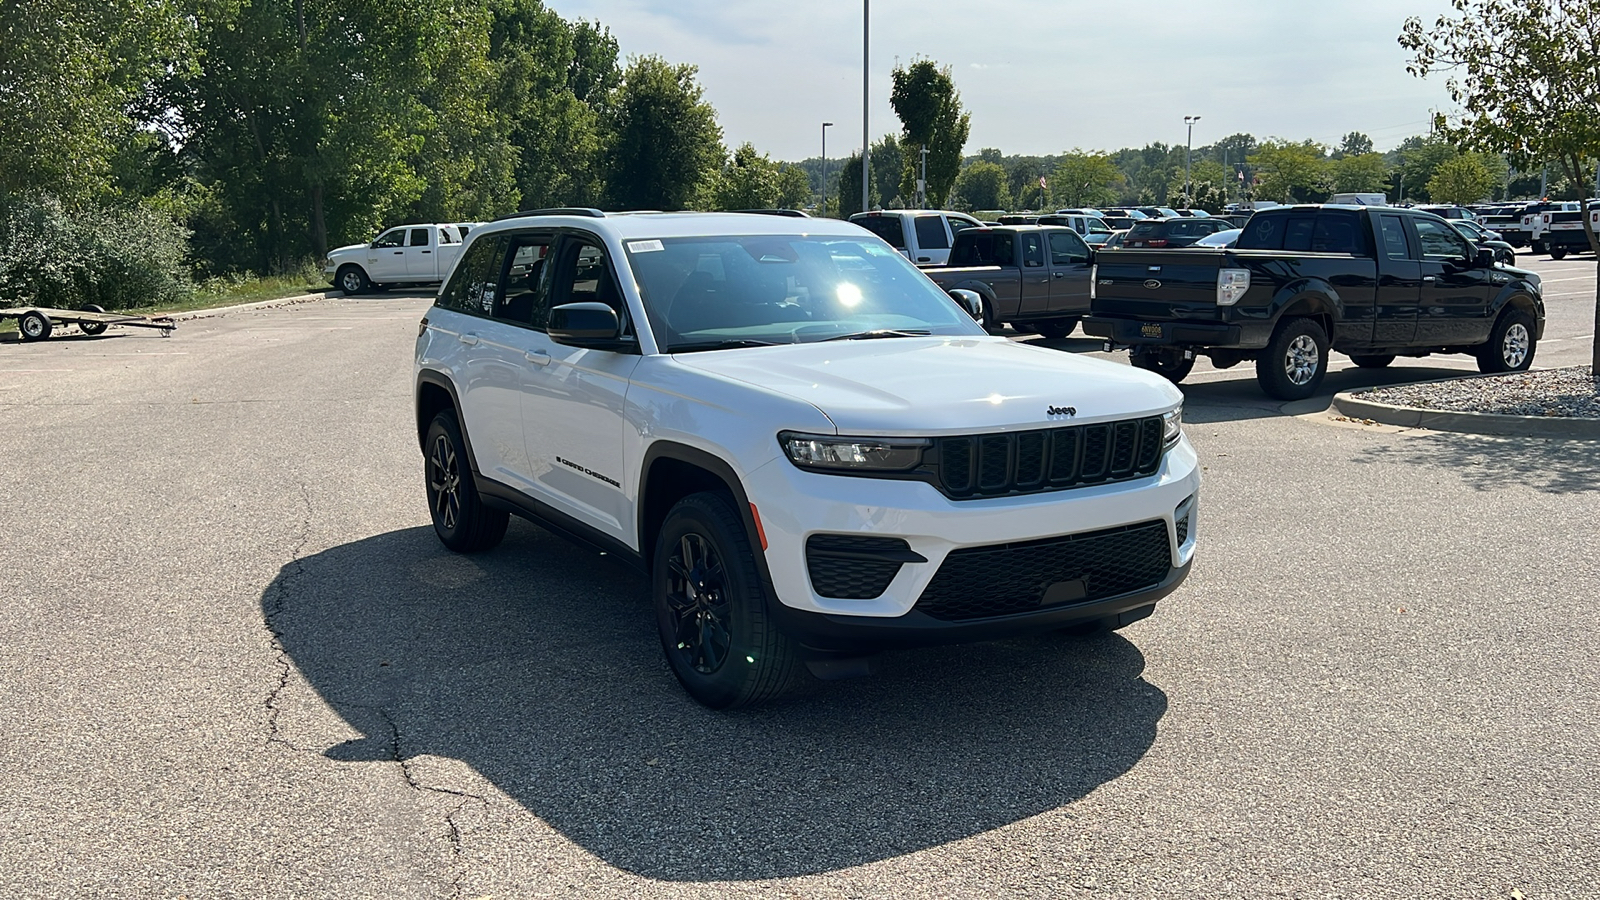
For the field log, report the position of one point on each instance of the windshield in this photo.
(709, 293)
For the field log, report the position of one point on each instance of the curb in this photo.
(1349, 404)
(243, 307)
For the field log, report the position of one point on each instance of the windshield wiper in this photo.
(719, 345)
(879, 333)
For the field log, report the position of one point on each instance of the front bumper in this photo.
(795, 504)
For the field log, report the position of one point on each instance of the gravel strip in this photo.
(1571, 393)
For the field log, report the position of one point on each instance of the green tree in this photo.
(887, 164)
(1353, 144)
(981, 185)
(1084, 179)
(1359, 173)
(1462, 180)
(751, 180)
(1419, 158)
(664, 139)
(848, 188)
(1290, 172)
(1527, 76)
(924, 97)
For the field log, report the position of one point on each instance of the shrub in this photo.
(115, 256)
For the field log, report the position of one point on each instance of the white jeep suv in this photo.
(811, 450)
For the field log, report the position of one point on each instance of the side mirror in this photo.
(1486, 257)
(584, 324)
(971, 301)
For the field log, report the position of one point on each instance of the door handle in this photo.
(537, 357)
(1061, 274)
(924, 259)
(1428, 279)
(399, 253)
(471, 340)
(427, 251)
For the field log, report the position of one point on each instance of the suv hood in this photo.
(942, 385)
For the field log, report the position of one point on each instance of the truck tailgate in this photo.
(1160, 284)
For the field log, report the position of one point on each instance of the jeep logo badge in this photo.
(1061, 411)
(1152, 284)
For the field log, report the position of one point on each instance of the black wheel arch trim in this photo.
(439, 380)
(694, 456)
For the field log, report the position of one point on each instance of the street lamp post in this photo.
(922, 183)
(866, 98)
(825, 127)
(1188, 153)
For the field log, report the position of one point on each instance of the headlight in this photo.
(852, 454)
(1231, 285)
(1172, 426)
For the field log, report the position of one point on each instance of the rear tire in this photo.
(989, 322)
(352, 280)
(1558, 253)
(1166, 362)
(35, 326)
(1372, 361)
(92, 328)
(460, 519)
(1056, 329)
(711, 610)
(1295, 361)
(1511, 344)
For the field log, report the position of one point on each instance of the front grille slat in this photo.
(995, 465)
(1003, 579)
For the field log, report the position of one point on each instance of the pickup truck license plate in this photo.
(1150, 330)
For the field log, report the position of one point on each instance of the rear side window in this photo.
(1394, 237)
(1143, 229)
(419, 237)
(471, 288)
(930, 233)
(886, 227)
(976, 249)
(1297, 233)
(1067, 248)
(1032, 250)
(525, 297)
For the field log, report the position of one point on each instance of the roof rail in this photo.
(796, 213)
(587, 211)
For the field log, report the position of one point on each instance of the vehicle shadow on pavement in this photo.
(538, 665)
(1489, 462)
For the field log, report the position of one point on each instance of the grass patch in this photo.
(228, 290)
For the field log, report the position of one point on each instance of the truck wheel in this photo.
(711, 610)
(1372, 361)
(1295, 361)
(1056, 329)
(460, 519)
(35, 326)
(1558, 253)
(1167, 362)
(989, 322)
(92, 328)
(1509, 257)
(352, 280)
(1511, 344)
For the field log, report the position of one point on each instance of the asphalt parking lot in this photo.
(236, 662)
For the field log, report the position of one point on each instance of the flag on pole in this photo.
(1041, 181)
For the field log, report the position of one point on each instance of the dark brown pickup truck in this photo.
(1034, 277)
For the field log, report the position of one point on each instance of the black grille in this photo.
(994, 465)
(1010, 578)
(855, 567)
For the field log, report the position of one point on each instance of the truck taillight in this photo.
(1156, 242)
(1094, 278)
(1231, 285)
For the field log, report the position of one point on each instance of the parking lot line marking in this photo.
(32, 371)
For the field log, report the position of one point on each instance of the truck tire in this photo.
(35, 326)
(1511, 344)
(1558, 252)
(92, 328)
(1509, 257)
(1372, 361)
(460, 519)
(1167, 362)
(711, 610)
(351, 279)
(1056, 329)
(989, 322)
(1295, 361)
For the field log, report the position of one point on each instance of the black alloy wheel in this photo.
(460, 519)
(711, 608)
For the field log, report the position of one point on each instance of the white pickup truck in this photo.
(405, 254)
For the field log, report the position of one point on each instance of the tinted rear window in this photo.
(931, 234)
(1302, 232)
(1144, 229)
(886, 227)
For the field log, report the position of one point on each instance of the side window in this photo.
(886, 227)
(448, 236)
(1066, 249)
(1439, 241)
(1262, 233)
(585, 276)
(1297, 236)
(471, 288)
(523, 298)
(975, 249)
(419, 237)
(394, 238)
(1004, 249)
(958, 225)
(1032, 250)
(1394, 237)
(1336, 233)
(930, 233)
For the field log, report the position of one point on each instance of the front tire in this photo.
(1372, 361)
(92, 329)
(1056, 329)
(989, 322)
(352, 280)
(1511, 344)
(1295, 361)
(1558, 253)
(35, 326)
(460, 519)
(711, 610)
(1166, 362)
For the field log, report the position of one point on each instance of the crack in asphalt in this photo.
(415, 782)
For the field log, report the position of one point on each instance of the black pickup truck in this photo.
(1034, 277)
(1370, 282)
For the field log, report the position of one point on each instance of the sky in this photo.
(1045, 76)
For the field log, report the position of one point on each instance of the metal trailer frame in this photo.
(36, 323)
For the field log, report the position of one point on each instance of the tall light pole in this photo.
(825, 127)
(866, 133)
(1188, 152)
(922, 183)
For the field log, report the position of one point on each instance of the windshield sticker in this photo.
(644, 246)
